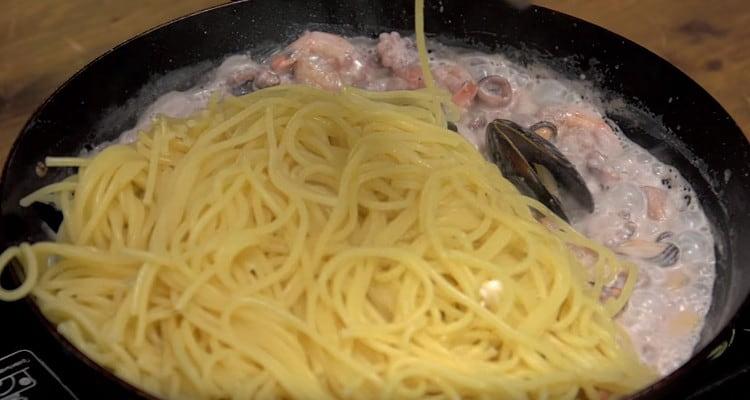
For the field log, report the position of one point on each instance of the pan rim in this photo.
(683, 370)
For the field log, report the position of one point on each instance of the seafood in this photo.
(657, 202)
(323, 60)
(525, 158)
(495, 91)
(245, 81)
(642, 208)
(662, 253)
(547, 130)
(596, 164)
(584, 129)
(266, 79)
(400, 56)
(458, 81)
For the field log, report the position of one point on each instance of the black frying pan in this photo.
(700, 139)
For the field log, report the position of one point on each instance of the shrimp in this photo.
(400, 55)
(597, 164)
(587, 129)
(458, 81)
(323, 60)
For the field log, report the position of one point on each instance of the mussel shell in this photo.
(537, 150)
(514, 166)
(544, 126)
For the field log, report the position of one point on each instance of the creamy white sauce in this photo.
(666, 312)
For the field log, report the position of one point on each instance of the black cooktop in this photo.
(34, 365)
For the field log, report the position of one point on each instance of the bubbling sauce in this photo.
(644, 209)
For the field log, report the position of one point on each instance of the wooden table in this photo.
(43, 42)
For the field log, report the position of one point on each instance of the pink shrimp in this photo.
(589, 129)
(400, 55)
(458, 81)
(323, 60)
(599, 166)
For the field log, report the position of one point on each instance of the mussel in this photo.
(535, 166)
(660, 252)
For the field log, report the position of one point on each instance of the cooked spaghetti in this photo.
(298, 243)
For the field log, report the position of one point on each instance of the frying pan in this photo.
(655, 104)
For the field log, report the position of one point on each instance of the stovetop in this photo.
(34, 365)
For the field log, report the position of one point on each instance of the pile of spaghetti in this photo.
(296, 243)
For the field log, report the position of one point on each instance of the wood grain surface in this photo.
(43, 42)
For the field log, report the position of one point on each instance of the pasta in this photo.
(297, 243)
